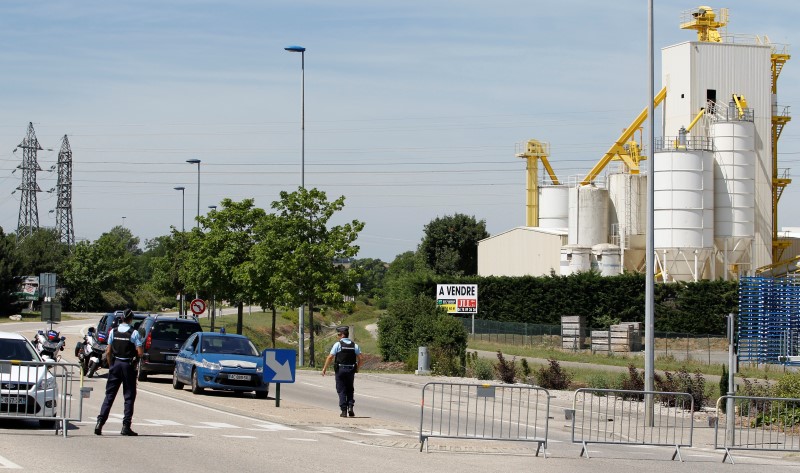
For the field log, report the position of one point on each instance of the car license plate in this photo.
(170, 357)
(239, 377)
(13, 400)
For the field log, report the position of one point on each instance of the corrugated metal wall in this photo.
(520, 252)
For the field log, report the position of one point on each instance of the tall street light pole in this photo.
(123, 222)
(183, 229)
(197, 161)
(299, 49)
(213, 208)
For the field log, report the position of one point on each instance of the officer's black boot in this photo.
(344, 413)
(350, 412)
(126, 430)
(98, 428)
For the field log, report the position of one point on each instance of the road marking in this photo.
(8, 464)
(270, 427)
(161, 422)
(301, 440)
(215, 425)
(177, 434)
(380, 432)
(239, 436)
(325, 430)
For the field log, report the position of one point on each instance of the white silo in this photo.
(734, 186)
(683, 220)
(575, 259)
(606, 259)
(588, 216)
(553, 206)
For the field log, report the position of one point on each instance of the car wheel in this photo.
(262, 394)
(196, 389)
(175, 383)
(141, 375)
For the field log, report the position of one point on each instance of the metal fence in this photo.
(484, 412)
(757, 423)
(707, 348)
(612, 416)
(50, 392)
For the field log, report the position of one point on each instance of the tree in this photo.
(450, 244)
(403, 274)
(308, 249)
(165, 260)
(373, 273)
(218, 260)
(41, 252)
(10, 268)
(265, 258)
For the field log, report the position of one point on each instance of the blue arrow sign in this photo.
(279, 365)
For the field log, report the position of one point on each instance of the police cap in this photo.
(128, 314)
(343, 329)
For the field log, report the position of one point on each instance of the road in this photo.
(180, 431)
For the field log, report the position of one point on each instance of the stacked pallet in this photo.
(620, 338)
(573, 332)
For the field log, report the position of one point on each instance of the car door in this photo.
(185, 359)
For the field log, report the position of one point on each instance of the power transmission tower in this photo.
(66, 233)
(28, 210)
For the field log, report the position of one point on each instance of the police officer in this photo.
(346, 356)
(124, 346)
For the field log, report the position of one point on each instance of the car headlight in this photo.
(259, 369)
(48, 382)
(210, 365)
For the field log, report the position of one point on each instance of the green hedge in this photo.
(695, 308)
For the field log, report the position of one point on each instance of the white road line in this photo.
(325, 430)
(239, 436)
(301, 440)
(161, 422)
(271, 427)
(380, 432)
(8, 464)
(177, 434)
(215, 425)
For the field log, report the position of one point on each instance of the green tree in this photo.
(450, 244)
(10, 270)
(309, 248)
(218, 260)
(373, 272)
(265, 261)
(41, 252)
(164, 256)
(404, 275)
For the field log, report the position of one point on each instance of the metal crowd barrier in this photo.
(613, 416)
(758, 423)
(484, 412)
(50, 392)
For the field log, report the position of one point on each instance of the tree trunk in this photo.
(311, 362)
(274, 316)
(240, 317)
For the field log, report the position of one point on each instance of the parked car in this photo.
(112, 319)
(26, 389)
(163, 335)
(220, 361)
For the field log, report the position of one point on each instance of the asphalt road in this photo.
(180, 431)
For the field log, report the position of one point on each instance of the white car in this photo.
(26, 389)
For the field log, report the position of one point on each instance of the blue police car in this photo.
(220, 361)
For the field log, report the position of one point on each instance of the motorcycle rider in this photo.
(124, 346)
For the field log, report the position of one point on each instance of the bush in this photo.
(479, 368)
(682, 382)
(600, 381)
(553, 377)
(445, 363)
(788, 386)
(506, 370)
(633, 381)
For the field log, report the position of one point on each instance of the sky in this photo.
(414, 109)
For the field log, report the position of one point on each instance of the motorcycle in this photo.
(49, 344)
(83, 350)
(97, 357)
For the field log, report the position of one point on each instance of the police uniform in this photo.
(345, 353)
(123, 342)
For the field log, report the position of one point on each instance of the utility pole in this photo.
(66, 233)
(28, 209)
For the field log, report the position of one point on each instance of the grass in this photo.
(33, 317)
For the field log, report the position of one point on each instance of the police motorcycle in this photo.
(83, 349)
(97, 356)
(49, 344)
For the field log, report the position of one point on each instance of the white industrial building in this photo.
(715, 185)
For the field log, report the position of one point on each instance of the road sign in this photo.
(279, 365)
(198, 306)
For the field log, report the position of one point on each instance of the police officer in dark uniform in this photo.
(346, 356)
(124, 348)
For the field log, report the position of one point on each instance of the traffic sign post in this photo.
(198, 306)
(279, 367)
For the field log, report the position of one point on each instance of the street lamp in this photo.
(123, 222)
(302, 51)
(183, 206)
(197, 161)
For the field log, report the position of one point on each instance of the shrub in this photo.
(553, 376)
(525, 367)
(445, 363)
(599, 381)
(723, 386)
(633, 381)
(788, 386)
(682, 382)
(479, 368)
(506, 370)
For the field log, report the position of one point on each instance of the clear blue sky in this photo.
(413, 107)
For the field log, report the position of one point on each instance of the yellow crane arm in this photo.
(741, 104)
(550, 171)
(624, 137)
(696, 119)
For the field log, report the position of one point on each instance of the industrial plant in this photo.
(716, 176)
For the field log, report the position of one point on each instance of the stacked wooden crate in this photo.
(573, 332)
(620, 338)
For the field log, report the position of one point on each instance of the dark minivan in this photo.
(163, 336)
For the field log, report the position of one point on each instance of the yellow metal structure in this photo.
(779, 183)
(741, 104)
(696, 119)
(706, 23)
(618, 150)
(535, 151)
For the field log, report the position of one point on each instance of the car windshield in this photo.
(228, 345)
(174, 331)
(11, 349)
